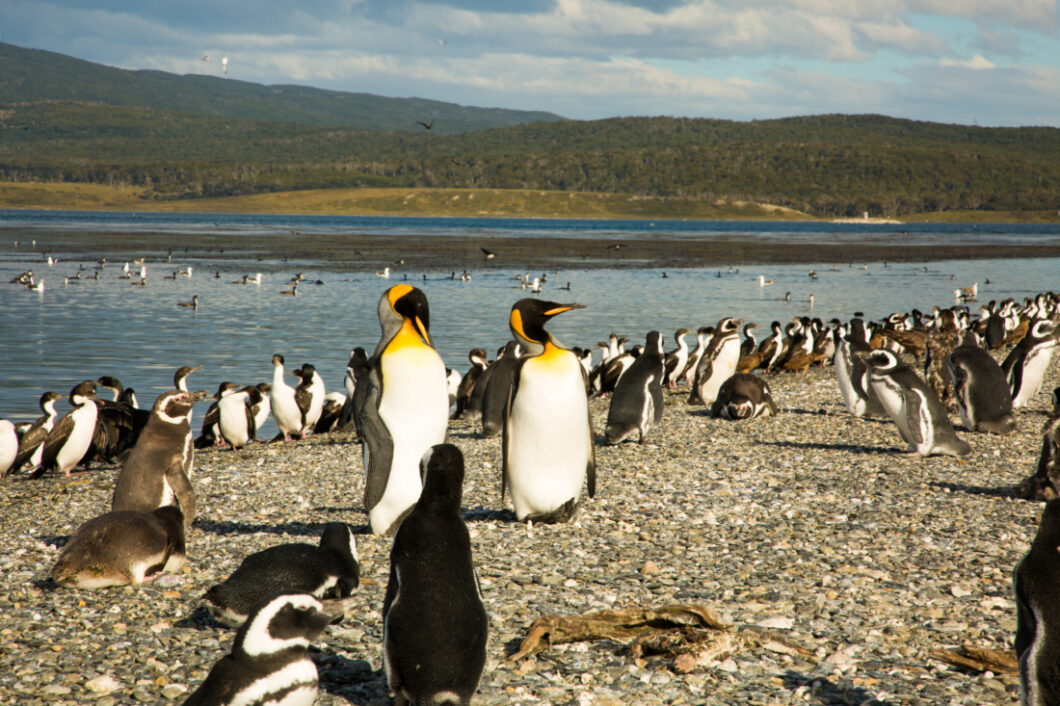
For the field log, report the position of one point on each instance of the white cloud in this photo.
(977, 63)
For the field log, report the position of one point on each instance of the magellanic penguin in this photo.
(548, 438)
(122, 548)
(31, 445)
(637, 402)
(744, 396)
(330, 570)
(434, 622)
(406, 410)
(676, 360)
(1038, 613)
(285, 409)
(984, 400)
(1027, 362)
(157, 471)
(913, 405)
(851, 373)
(73, 435)
(1045, 483)
(717, 363)
(499, 383)
(269, 662)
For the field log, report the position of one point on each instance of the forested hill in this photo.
(828, 165)
(30, 75)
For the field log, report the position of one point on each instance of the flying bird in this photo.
(488, 253)
(428, 126)
(205, 57)
(224, 64)
(441, 42)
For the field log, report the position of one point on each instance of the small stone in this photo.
(650, 568)
(103, 685)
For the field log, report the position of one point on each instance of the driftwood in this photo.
(693, 634)
(979, 659)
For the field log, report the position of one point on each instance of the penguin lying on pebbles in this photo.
(122, 548)
(434, 623)
(330, 570)
(269, 662)
(744, 396)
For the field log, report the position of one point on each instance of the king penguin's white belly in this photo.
(548, 435)
(415, 409)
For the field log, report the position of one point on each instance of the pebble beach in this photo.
(814, 525)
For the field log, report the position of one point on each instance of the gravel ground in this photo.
(812, 523)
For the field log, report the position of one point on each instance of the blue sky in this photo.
(986, 62)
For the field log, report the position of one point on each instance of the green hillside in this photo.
(30, 75)
(827, 165)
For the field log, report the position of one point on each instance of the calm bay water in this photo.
(54, 339)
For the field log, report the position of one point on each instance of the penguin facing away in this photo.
(122, 548)
(157, 471)
(744, 396)
(269, 662)
(1038, 613)
(547, 451)
(637, 402)
(434, 621)
(984, 400)
(330, 570)
(406, 409)
(913, 405)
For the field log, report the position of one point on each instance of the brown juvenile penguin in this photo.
(158, 468)
(122, 548)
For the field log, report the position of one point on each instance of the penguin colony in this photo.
(399, 401)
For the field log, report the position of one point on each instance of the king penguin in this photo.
(984, 400)
(1027, 362)
(434, 622)
(637, 402)
(122, 548)
(913, 405)
(73, 435)
(548, 449)
(158, 469)
(269, 662)
(406, 409)
(330, 570)
(1038, 613)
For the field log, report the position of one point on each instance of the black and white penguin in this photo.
(122, 548)
(744, 396)
(285, 409)
(637, 402)
(358, 371)
(329, 570)
(269, 662)
(772, 346)
(851, 373)
(31, 444)
(1038, 613)
(913, 405)
(1045, 483)
(548, 438)
(718, 362)
(259, 404)
(479, 363)
(235, 420)
(499, 384)
(331, 413)
(309, 395)
(703, 337)
(984, 400)
(1027, 362)
(72, 436)
(406, 410)
(434, 622)
(676, 360)
(473, 410)
(157, 471)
